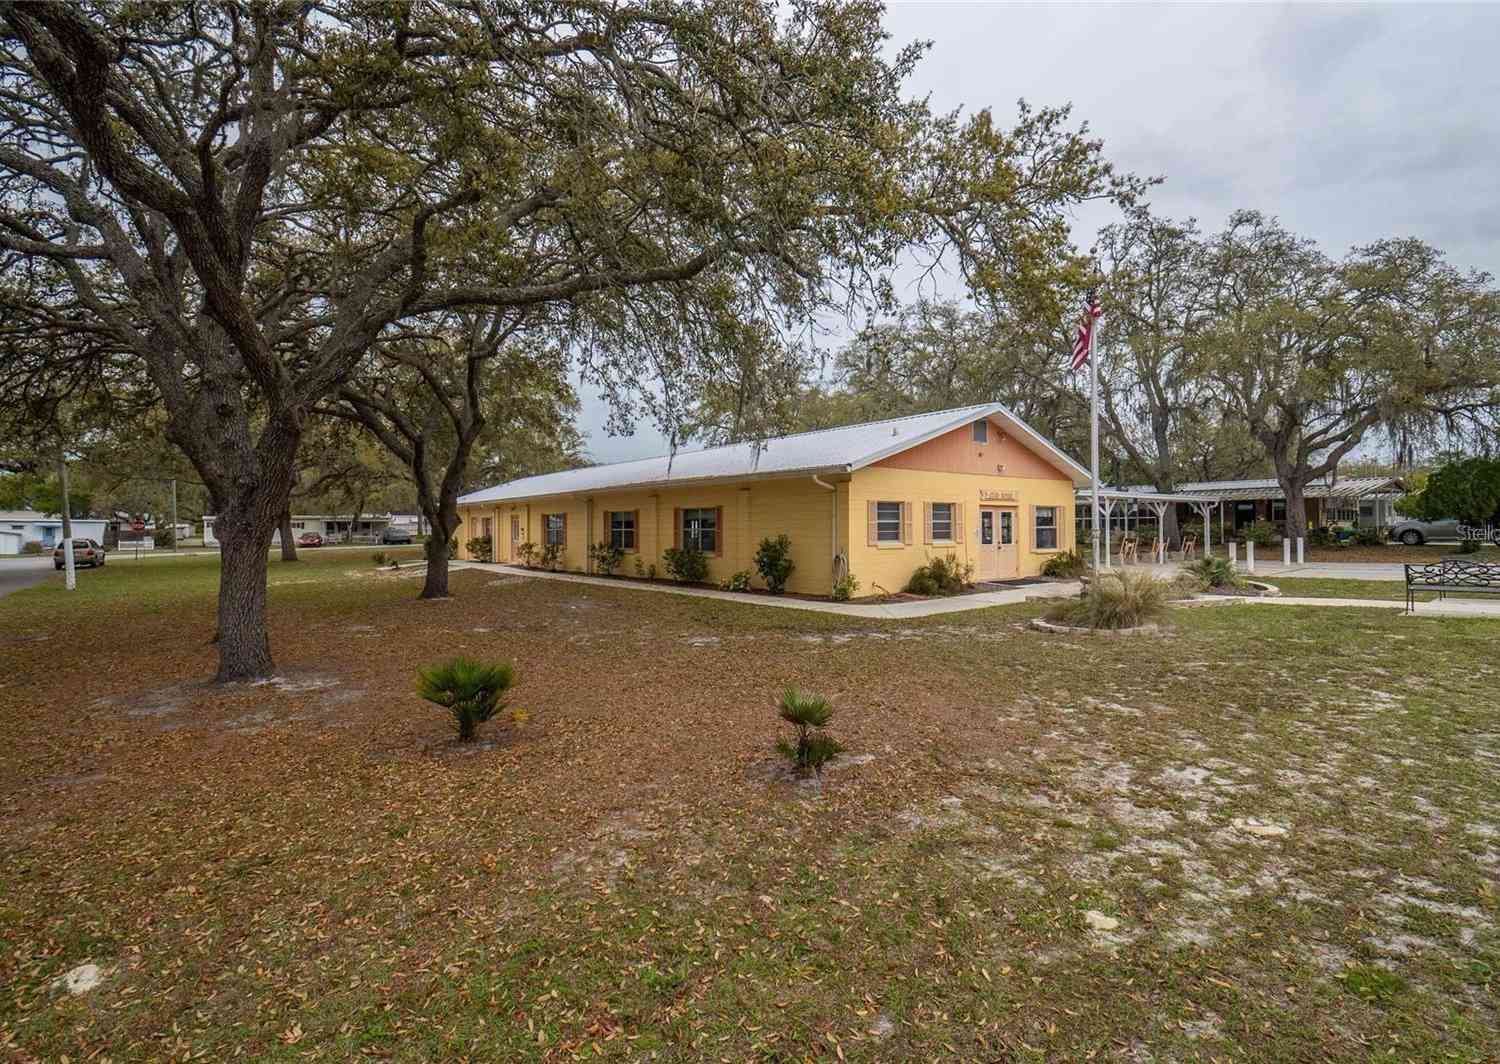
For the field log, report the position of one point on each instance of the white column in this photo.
(1301, 543)
(1234, 554)
(1286, 551)
(1250, 556)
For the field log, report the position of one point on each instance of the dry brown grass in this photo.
(313, 868)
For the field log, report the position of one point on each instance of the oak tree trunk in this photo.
(243, 641)
(1296, 509)
(435, 585)
(288, 541)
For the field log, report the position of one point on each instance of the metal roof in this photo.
(824, 451)
(1240, 490)
(1347, 488)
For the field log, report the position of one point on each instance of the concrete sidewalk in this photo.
(981, 600)
(1380, 571)
(1447, 608)
(881, 611)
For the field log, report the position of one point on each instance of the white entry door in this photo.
(997, 544)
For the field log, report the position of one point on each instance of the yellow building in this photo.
(875, 500)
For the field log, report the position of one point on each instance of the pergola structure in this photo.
(1158, 501)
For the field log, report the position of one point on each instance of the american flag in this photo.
(1086, 331)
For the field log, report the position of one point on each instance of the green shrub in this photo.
(740, 581)
(552, 556)
(1261, 533)
(808, 714)
(1122, 598)
(32, 546)
(469, 690)
(773, 560)
(944, 575)
(1370, 536)
(1066, 566)
(922, 583)
(606, 558)
(845, 587)
(1469, 546)
(686, 564)
(479, 548)
(1321, 537)
(1215, 573)
(378, 557)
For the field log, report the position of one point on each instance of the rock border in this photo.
(1063, 629)
(1263, 590)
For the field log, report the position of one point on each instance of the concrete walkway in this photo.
(1447, 608)
(1381, 571)
(982, 600)
(883, 611)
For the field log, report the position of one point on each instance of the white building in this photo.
(20, 527)
(334, 528)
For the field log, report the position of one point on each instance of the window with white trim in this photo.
(888, 522)
(622, 529)
(942, 522)
(981, 432)
(1046, 528)
(555, 529)
(700, 528)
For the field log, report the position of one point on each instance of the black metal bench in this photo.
(1453, 575)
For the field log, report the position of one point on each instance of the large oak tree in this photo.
(243, 198)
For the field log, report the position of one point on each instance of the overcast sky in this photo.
(1350, 122)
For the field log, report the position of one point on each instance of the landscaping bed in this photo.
(1273, 836)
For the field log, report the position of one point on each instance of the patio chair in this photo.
(1130, 550)
(1189, 547)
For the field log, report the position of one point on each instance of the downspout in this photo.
(833, 528)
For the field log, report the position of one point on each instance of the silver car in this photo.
(1415, 533)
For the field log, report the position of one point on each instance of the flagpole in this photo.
(1094, 433)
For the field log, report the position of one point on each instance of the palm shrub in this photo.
(687, 564)
(773, 559)
(1118, 599)
(845, 587)
(472, 691)
(552, 555)
(808, 714)
(527, 553)
(1216, 573)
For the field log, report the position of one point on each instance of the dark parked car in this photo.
(395, 535)
(309, 539)
(85, 552)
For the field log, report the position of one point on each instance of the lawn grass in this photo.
(1318, 587)
(1387, 553)
(1290, 812)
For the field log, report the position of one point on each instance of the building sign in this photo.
(990, 495)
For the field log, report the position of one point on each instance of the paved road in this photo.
(18, 573)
